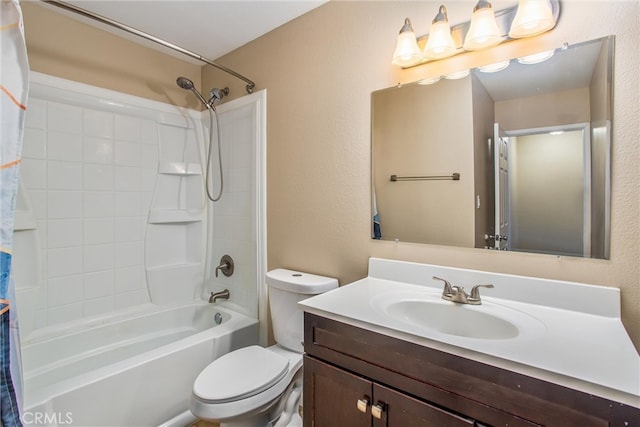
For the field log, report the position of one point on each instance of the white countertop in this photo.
(577, 338)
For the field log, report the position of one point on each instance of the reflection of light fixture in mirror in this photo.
(536, 58)
(495, 67)
(407, 52)
(532, 18)
(457, 75)
(483, 31)
(429, 81)
(440, 43)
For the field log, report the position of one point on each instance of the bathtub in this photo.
(131, 369)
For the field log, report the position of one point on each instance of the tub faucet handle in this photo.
(226, 266)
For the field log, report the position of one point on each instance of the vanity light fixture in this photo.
(532, 18)
(457, 75)
(536, 58)
(407, 51)
(429, 81)
(440, 44)
(495, 67)
(483, 30)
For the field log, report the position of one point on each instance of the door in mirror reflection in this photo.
(503, 237)
(546, 199)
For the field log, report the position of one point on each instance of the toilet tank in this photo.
(286, 288)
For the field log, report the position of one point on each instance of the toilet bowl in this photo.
(256, 386)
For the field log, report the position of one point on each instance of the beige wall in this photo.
(438, 141)
(320, 70)
(569, 106)
(483, 120)
(600, 88)
(64, 47)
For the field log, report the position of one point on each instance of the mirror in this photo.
(547, 127)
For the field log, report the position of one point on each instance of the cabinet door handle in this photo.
(363, 405)
(377, 410)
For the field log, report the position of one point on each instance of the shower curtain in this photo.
(14, 81)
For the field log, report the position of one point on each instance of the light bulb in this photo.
(533, 17)
(440, 43)
(429, 81)
(457, 75)
(536, 58)
(407, 52)
(495, 67)
(483, 31)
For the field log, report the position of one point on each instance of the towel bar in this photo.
(454, 176)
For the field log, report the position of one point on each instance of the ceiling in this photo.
(213, 28)
(208, 28)
(569, 68)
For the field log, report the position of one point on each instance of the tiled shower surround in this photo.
(88, 181)
(113, 238)
(111, 213)
(90, 176)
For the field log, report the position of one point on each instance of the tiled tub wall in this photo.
(233, 218)
(89, 175)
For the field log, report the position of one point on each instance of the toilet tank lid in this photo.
(299, 282)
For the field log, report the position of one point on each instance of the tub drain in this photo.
(217, 318)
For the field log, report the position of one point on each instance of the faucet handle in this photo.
(226, 266)
(448, 288)
(475, 292)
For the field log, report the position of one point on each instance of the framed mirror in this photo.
(516, 159)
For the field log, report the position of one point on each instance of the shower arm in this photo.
(71, 8)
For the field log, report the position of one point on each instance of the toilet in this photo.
(256, 386)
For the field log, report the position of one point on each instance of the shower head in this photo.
(184, 83)
(187, 84)
(217, 94)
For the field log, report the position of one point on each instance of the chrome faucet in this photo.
(215, 296)
(457, 294)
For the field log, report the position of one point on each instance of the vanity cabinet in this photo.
(356, 377)
(367, 403)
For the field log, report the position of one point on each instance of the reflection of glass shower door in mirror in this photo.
(550, 183)
(502, 214)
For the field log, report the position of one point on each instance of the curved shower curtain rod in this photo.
(71, 8)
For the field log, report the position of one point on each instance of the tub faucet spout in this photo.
(215, 296)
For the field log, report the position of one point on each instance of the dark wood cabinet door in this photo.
(400, 410)
(331, 397)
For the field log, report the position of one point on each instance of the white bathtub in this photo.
(133, 369)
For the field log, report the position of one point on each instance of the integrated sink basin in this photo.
(429, 312)
(449, 318)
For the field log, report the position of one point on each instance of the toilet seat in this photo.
(261, 397)
(240, 374)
